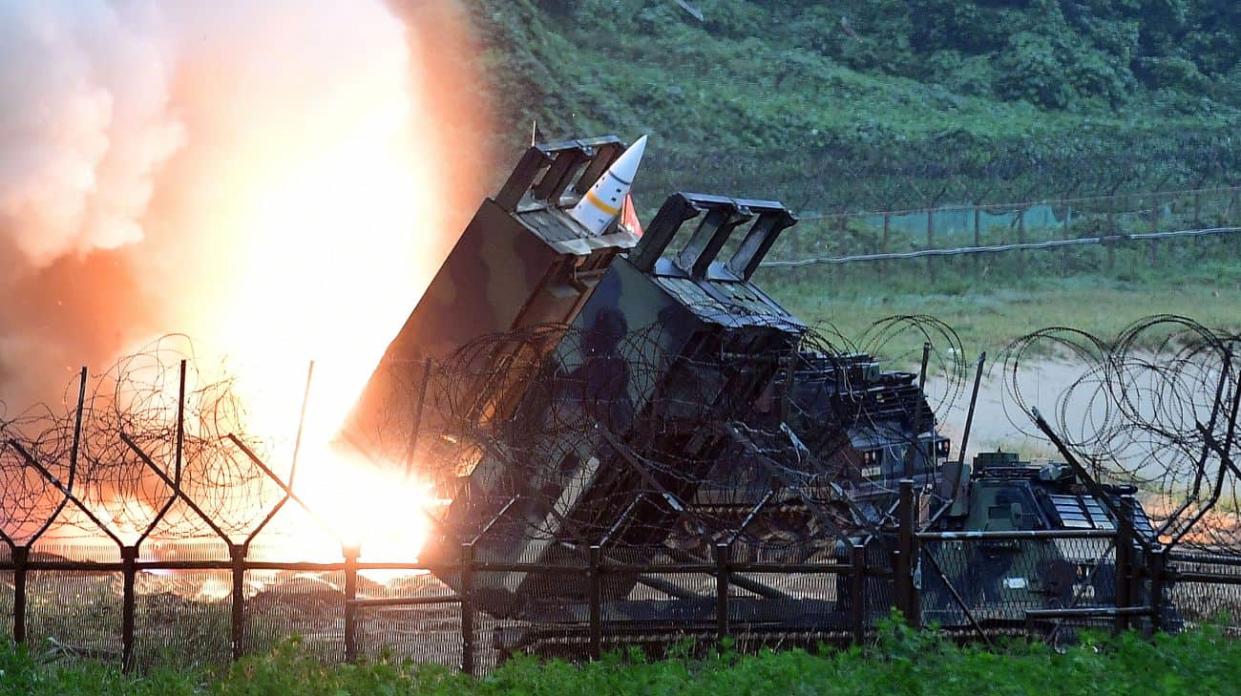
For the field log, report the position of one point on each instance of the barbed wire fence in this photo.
(1154, 407)
(1165, 423)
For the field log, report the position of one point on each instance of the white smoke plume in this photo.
(269, 177)
(85, 123)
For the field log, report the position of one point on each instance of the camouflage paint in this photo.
(521, 261)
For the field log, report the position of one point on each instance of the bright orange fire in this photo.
(335, 227)
(325, 156)
(382, 512)
(326, 212)
(326, 236)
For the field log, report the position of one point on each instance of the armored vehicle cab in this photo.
(1001, 579)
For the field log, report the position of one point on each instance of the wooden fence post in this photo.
(721, 589)
(903, 563)
(21, 554)
(129, 573)
(596, 602)
(1124, 562)
(467, 609)
(351, 554)
(237, 622)
(1158, 566)
(857, 590)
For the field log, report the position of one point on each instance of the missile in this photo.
(603, 202)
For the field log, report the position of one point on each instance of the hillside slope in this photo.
(869, 104)
(861, 104)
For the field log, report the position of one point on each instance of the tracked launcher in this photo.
(610, 398)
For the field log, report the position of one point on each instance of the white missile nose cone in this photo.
(603, 202)
(626, 166)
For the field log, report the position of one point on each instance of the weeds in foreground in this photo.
(900, 661)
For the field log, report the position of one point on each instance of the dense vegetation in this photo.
(867, 103)
(903, 662)
(846, 105)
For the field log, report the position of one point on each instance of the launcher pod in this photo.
(658, 357)
(521, 261)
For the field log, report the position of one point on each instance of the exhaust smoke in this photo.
(275, 180)
(265, 177)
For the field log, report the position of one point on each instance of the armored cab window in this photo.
(1011, 507)
(1097, 514)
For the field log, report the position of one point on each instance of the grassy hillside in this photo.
(846, 105)
(991, 312)
(860, 104)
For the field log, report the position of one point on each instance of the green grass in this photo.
(902, 662)
(990, 311)
(755, 106)
(760, 101)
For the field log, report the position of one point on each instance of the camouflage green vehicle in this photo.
(636, 401)
(998, 579)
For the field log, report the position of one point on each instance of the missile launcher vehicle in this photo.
(637, 400)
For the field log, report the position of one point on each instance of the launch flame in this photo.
(267, 178)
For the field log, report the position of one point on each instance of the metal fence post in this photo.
(721, 589)
(930, 242)
(1158, 564)
(977, 235)
(21, 554)
(237, 622)
(467, 609)
(1153, 249)
(903, 563)
(857, 590)
(596, 600)
(129, 556)
(883, 242)
(1124, 561)
(351, 610)
(1067, 254)
(1111, 230)
(1021, 239)
(1229, 217)
(842, 227)
(1200, 242)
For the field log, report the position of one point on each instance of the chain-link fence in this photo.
(1048, 584)
(608, 487)
(1118, 234)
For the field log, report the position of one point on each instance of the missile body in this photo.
(603, 202)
